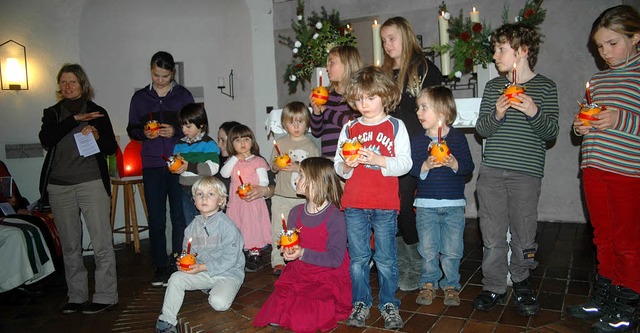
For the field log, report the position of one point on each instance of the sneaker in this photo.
(73, 308)
(159, 277)
(525, 298)
(451, 296)
(278, 270)
(391, 315)
(427, 292)
(94, 308)
(358, 315)
(254, 261)
(165, 327)
(618, 317)
(487, 300)
(594, 307)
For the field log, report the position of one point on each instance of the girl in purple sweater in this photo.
(314, 291)
(327, 120)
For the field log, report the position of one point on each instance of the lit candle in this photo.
(445, 61)
(348, 29)
(189, 246)
(439, 131)
(284, 223)
(474, 16)
(377, 44)
(240, 178)
(513, 74)
(275, 145)
(320, 79)
(588, 94)
(349, 130)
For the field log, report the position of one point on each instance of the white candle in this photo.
(377, 44)
(445, 61)
(220, 81)
(475, 15)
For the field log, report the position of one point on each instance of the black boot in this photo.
(594, 306)
(620, 313)
(525, 298)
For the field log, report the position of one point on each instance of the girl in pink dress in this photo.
(251, 216)
(314, 291)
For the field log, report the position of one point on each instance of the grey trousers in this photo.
(507, 200)
(90, 199)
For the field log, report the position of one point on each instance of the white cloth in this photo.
(15, 259)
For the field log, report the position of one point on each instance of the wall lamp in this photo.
(221, 85)
(13, 66)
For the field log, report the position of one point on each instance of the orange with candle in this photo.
(587, 111)
(288, 238)
(153, 125)
(439, 149)
(187, 259)
(350, 149)
(514, 89)
(174, 162)
(320, 95)
(282, 160)
(243, 189)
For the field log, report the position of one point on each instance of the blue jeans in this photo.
(188, 206)
(384, 224)
(441, 231)
(158, 184)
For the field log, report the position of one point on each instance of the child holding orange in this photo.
(510, 178)
(440, 197)
(295, 120)
(386, 155)
(245, 166)
(610, 165)
(327, 120)
(314, 291)
(217, 244)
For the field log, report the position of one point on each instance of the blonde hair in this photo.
(319, 172)
(350, 58)
(411, 55)
(211, 182)
(622, 19)
(295, 110)
(441, 101)
(372, 81)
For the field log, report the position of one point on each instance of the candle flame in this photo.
(190, 238)
(375, 22)
(282, 215)
(442, 13)
(238, 172)
(348, 26)
(587, 85)
(474, 9)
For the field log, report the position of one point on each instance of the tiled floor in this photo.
(564, 277)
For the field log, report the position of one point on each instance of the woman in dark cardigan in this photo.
(80, 184)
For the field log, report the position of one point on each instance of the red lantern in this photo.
(130, 165)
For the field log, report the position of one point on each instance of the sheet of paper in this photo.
(87, 144)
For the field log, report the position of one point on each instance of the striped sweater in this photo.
(441, 183)
(616, 150)
(518, 142)
(328, 124)
(203, 157)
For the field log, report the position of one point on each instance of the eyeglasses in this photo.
(201, 196)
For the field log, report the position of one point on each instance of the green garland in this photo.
(315, 37)
(471, 40)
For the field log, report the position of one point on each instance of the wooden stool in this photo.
(130, 217)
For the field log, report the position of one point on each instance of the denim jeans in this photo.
(158, 184)
(384, 224)
(441, 231)
(188, 206)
